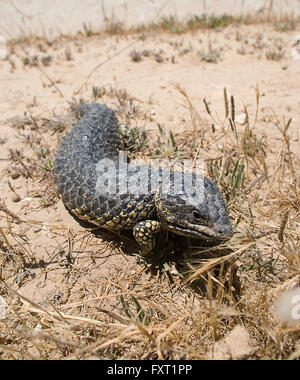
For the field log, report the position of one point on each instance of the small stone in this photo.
(241, 118)
(14, 174)
(235, 345)
(16, 198)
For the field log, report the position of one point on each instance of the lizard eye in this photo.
(197, 215)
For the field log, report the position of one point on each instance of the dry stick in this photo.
(222, 170)
(287, 142)
(54, 315)
(287, 330)
(213, 262)
(50, 80)
(118, 52)
(4, 237)
(257, 103)
(67, 317)
(59, 342)
(103, 63)
(128, 332)
(18, 159)
(9, 213)
(36, 124)
(226, 103)
(38, 307)
(19, 10)
(123, 336)
(282, 226)
(113, 315)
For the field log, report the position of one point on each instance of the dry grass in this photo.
(178, 308)
(282, 21)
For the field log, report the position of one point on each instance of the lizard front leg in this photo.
(144, 232)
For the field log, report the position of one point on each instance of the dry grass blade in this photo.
(282, 226)
(226, 103)
(214, 262)
(166, 333)
(207, 106)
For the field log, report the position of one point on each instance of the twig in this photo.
(15, 157)
(118, 52)
(50, 80)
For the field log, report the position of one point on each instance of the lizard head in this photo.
(197, 214)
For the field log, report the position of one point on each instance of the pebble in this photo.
(16, 198)
(14, 174)
(241, 118)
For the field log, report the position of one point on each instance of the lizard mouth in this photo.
(206, 233)
(185, 231)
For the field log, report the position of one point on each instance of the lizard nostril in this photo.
(224, 232)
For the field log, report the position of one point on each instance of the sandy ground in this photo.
(242, 64)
